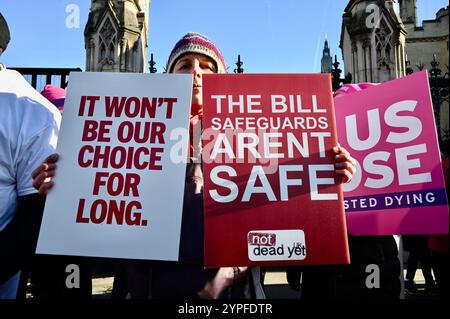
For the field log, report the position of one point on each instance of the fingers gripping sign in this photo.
(43, 175)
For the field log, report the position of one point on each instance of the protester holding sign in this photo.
(197, 55)
(29, 125)
(349, 281)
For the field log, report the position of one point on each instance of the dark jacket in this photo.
(349, 281)
(185, 278)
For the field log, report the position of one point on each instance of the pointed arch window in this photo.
(387, 51)
(383, 39)
(107, 42)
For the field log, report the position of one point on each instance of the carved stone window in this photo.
(383, 39)
(107, 43)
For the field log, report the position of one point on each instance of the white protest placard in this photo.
(119, 184)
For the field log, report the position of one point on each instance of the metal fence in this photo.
(39, 77)
(439, 87)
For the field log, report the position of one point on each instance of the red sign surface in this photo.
(270, 195)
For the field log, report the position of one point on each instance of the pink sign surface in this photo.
(399, 187)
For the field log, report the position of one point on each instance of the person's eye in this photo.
(183, 66)
(210, 67)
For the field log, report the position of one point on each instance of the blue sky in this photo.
(270, 35)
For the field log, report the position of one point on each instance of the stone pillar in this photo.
(123, 55)
(359, 45)
(396, 59)
(355, 63)
(403, 60)
(91, 54)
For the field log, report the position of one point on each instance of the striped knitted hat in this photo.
(196, 43)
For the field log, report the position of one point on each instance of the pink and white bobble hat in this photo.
(196, 43)
(351, 88)
(54, 94)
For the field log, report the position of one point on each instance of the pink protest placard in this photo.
(399, 187)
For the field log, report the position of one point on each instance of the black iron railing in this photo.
(36, 75)
(337, 81)
(439, 87)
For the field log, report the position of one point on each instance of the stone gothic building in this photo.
(377, 43)
(373, 41)
(116, 35)
(327, 60)
(426, 40)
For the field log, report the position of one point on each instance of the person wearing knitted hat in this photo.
(193, 54)
(197, 55)
(54, 94)
(196, 43)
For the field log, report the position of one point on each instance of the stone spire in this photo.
(116, 35)
(327, 60)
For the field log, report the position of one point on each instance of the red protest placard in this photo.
(270, 192)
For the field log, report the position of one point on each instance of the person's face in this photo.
(196, 64)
